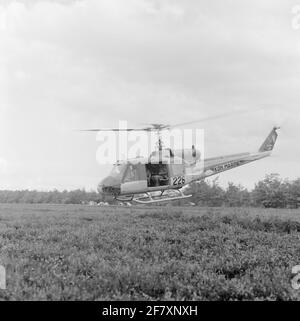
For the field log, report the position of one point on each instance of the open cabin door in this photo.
(163, 174)
(166, 177)
(157, 174)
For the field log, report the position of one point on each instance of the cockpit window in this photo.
(118, 170)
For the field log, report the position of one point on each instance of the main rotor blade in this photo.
(115, 129)
(155, 125)
(223, 115)
(159, 127)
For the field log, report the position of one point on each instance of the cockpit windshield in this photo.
(118, 170)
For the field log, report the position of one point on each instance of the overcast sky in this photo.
(66, 65)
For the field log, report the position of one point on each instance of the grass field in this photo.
(69, 252)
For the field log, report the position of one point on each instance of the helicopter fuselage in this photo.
(142, 175)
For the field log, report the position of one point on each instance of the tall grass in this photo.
(92, 253)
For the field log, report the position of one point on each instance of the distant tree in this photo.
(270, 192)
(236, 196)
(293, 193)
(206, 193)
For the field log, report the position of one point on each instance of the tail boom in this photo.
(216, 165)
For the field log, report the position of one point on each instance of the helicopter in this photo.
(163, 175)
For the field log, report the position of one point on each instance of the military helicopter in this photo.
(162, 176)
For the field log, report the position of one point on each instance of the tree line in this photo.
(272, 191)
(78, 196)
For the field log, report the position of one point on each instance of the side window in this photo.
(131, 174)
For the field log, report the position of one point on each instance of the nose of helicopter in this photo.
(109, 185)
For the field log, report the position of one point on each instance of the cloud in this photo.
(3, 166)
(30, 3)
(77, 64)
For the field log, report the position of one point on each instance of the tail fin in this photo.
(269, 143)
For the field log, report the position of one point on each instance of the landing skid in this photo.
(149, 199)
(124, 198)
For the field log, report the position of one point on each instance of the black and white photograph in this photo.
(149, 153)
